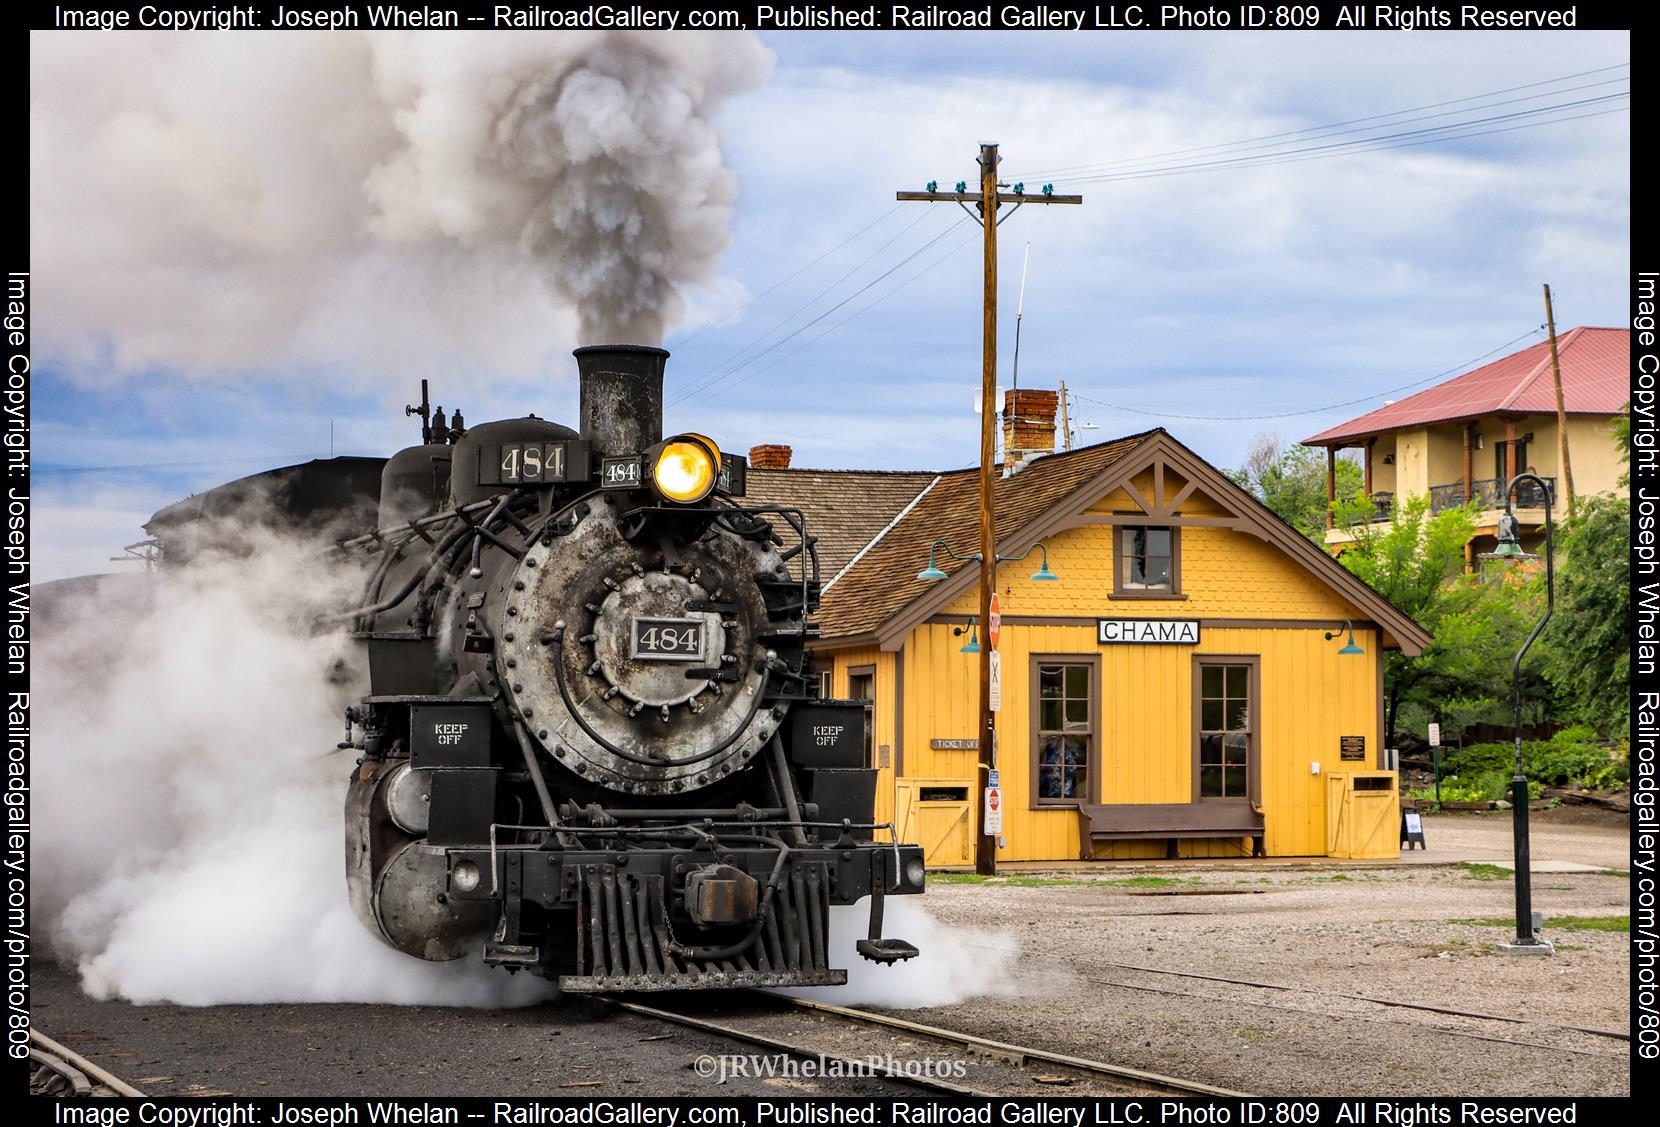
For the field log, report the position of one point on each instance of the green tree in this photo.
(1416, 561)
(1587, 650)
(1291, 481)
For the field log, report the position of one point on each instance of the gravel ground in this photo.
(1093, 979)
(1417, 933)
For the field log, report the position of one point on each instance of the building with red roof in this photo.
(1465, 438)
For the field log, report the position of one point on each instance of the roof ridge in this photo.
(1508, 384)
(1532, 377)
(874, 540)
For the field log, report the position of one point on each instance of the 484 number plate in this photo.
(667, 639)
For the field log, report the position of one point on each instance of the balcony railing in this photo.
(1489, 494)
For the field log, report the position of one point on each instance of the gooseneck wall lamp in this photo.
(933, 572)
(1351, 648)
(1527, 941)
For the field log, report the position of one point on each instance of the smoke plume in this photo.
(189, 832)
(374, 203)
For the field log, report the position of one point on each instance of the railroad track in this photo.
(60, 1071)
(853, 1037)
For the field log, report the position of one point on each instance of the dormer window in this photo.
(1148, 563)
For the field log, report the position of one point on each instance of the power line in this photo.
(1314, 410)
(958, 249)
(797, 332)
(716, 370)
(1365, 144)
(787, 278)
(1409, 121)
(1045, 173)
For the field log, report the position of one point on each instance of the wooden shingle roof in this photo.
(882, 581)
(882, 524)
(846, 509)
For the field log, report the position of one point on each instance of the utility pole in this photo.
(1066, 420)
(1561, 409)
(988, 200)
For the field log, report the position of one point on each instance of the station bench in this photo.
(1170, 821)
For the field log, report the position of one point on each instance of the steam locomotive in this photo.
(592, 747)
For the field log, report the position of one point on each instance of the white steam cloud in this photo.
(189, 830)
(189, 819)
(378, 202)
(954, 963)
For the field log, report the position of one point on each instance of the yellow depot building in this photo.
(1188, 685)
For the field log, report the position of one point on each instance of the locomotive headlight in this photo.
(914, 872)
(465, 876)
(685, 468)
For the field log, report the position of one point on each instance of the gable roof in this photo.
(884, 578)
(846, 509)
(1596, 369)
(878, 597)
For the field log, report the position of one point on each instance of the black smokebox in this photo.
(622, 396)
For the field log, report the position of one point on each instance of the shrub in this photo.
(1453, 790)
(1566, 758)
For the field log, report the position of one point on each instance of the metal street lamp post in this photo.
(1527, 941)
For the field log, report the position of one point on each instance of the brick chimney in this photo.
(1028, 424)
(774, 457)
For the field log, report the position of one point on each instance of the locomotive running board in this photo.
(711, 980)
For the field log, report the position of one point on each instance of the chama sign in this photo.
(1148, 631)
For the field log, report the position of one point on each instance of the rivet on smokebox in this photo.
(518, 585)
(508, 636)
(512, 610)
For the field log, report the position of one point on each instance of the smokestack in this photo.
(622, 396)
(770, 456)
(1028, 424)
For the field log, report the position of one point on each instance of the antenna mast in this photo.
(1019, 312)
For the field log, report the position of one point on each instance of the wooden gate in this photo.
(938, 815)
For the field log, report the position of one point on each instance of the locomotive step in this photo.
(510, 955)
(886, 950)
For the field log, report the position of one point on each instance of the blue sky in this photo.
(1240, 290)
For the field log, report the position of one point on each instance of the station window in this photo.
(861, 685)
(1148, 562)
(1225, 728)
(1063, 733)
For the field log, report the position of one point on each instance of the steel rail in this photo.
(1003, 1048)
(79, 1085)
(77, 1061)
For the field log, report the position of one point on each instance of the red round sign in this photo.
(991, 800)
(994, 620)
